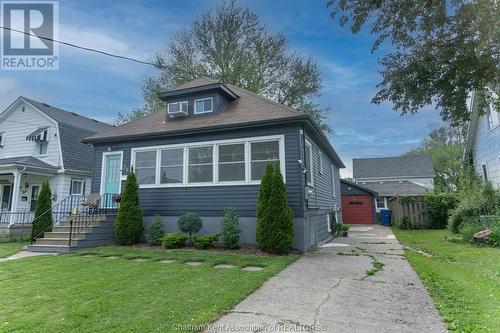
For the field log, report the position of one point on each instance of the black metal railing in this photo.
(19, 217)
(61, 210)
(105, 204)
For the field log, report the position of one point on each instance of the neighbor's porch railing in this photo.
(19, 217)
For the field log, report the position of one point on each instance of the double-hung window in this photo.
(172, 166)
(77, 186)
(145, 167)
(261, 154)
(204, 105)
(231, 162)
(333, 180)
(200, 164)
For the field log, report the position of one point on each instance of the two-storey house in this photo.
(40, 142)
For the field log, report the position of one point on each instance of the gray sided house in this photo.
(207, 151)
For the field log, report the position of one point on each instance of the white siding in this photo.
(18, 124)
(486, 150)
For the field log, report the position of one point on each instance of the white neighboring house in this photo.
(483, 142)
(394, 176)
(40, 142)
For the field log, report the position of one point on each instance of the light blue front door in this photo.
(112, 171)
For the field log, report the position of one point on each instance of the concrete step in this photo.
(63, 235)
(50, 248)
(54, 241)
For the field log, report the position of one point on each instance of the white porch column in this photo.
(15, 195)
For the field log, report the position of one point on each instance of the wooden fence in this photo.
(414, 209)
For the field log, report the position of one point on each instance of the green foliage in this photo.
(205, 242)
(440, 50)
(173, 241)
(477, 200)
(438, 207)
(128, 222)
(231, 45)
(155, 231)
(343, 228)
(275, 229)
(467, 230)
(190, 223)
(42, 221)
(407, 224)
(230, 229)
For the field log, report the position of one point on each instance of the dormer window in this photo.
(177, 109)
(204, 105)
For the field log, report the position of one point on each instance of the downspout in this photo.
(304, 162)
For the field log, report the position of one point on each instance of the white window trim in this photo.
(103, 171)
(82, 181)
(310, 168)
(213, 165)
(247, 141)
(204, 99)
(320, 154)
(246, 148)
(39, 146)
(180, 102)
(334, 191)
(159, 166)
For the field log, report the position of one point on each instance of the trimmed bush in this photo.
(438, 207)
(42, 221)
(190, 223)
(275, 229)
(205, 242)
(173, 241)
(230, 229)
(128, 222)
(155, 231)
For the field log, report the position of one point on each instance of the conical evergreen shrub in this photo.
(275, 229)
(42, 222)
(128, 222)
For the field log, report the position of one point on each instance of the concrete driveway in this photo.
(330, 292)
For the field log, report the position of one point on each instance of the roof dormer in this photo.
(197, 100)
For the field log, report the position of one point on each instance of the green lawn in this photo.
(463, 280)
(93, 294)
(9, 248)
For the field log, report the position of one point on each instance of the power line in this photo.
(86, 48)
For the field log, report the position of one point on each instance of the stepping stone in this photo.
(252, 268)
(139, 259)
(166, 261)
(112, 257)
(193, 263)
(88, 256)
(224, 266)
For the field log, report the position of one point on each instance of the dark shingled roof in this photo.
(73, 128)
(401, 166)
(248, 108)
(27, 161)
(395, 188)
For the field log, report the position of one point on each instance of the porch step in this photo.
(99, 232)
(50, 248)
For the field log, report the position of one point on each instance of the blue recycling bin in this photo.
(385, 217)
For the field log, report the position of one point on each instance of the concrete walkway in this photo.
(328, 292)
(25, 254)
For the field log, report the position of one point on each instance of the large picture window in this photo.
(232, 162)
(225, 162)
(172, 166)
(145, 167)
(200, 167)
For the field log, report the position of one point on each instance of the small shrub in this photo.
(474, 225)
(173, 241)
(190, 223)
(438, 207)
(407, 224)
(205, 242)
(230, 229)
(155, 231)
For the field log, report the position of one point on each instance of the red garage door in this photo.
(357, 209)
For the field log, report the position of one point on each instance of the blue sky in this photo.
(100, 87)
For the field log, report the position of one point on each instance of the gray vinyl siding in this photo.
(209, 200)
(348, 189)
(219, 102)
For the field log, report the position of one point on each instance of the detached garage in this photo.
(358, 203)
